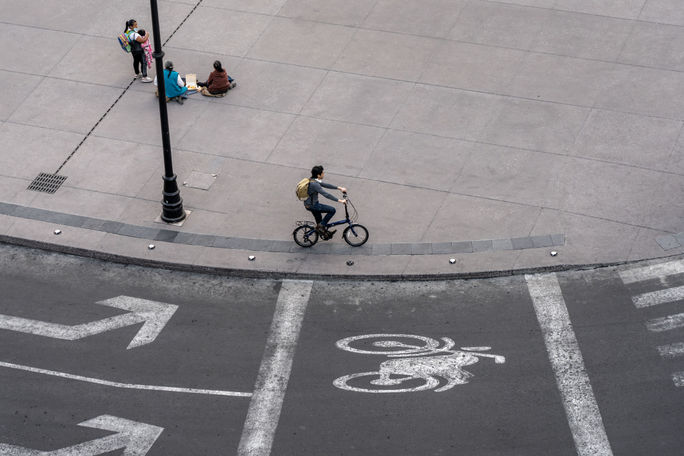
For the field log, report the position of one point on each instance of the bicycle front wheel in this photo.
(305, 236)
(355, 235)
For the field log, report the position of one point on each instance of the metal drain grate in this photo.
(48, 183)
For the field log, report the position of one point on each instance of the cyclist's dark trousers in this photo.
(139, 59)
(318, 209)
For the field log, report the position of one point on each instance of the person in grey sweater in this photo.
(311, 204)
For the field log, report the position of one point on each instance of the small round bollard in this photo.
(350, 263)
(150, 247)
(185, 183)
(452, 260)
(251, 258)
(554, 253)
(58, 231)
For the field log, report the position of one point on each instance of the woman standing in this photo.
(139, 59)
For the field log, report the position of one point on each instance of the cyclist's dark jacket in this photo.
(315, 188)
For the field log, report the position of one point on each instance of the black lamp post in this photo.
(172, 203)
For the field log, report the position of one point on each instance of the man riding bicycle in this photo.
(311, 204)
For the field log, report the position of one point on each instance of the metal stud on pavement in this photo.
(350, 263)
(554, 253)
(452, 260)
(251, 258)
(58, 231)
(151, 246)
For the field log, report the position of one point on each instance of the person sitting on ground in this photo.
(174, 85)
(219, 81)
(312, 205)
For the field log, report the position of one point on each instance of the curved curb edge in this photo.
(253, 274)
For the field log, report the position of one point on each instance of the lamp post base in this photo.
(172, 203)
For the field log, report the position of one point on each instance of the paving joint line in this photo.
(125, 90)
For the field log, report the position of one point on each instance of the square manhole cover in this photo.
(200, 180)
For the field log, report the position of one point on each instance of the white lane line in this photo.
(666, 323)
(654, 298)
(671, 350)
(566, 359)
(678, 378)
(274, 372)
(80, 378)
(656, 271)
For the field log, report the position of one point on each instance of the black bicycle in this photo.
(355, 234)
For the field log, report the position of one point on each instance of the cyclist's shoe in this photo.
(320, 229)
(329, 235)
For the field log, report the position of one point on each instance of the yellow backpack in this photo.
(303, 189)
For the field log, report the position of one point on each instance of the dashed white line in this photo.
(666, 323)
(656, 271)
(584, 416)
(274, 372)
(80, 378)
(654, 298)
(671, 350)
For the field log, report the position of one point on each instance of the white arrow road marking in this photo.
(153, 314)
(136, 438)
(654, 298)
(566, 359)
(274, 372)
(97, 381)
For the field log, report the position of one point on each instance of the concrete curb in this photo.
(252, 274)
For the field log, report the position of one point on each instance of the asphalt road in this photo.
(225, 366)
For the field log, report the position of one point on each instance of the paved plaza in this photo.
(490, 132)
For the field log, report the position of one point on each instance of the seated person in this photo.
(218, 83)
(174, 85)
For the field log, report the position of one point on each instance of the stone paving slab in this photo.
(490, 132)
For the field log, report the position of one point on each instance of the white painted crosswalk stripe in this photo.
(671, 350)
(656, 271)
(654, 298)
(274, 373)
(584, 416)
(678, 379)
(666, 323)
(664, 296)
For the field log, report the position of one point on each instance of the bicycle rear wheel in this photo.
(305, 236)
(355, 235)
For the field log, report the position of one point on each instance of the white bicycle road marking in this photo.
(657, 271)
(137, 438)
(153, 314)
(274, 372)
(654, 298)
(425, 363)
(581, 409)
(172, 389)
